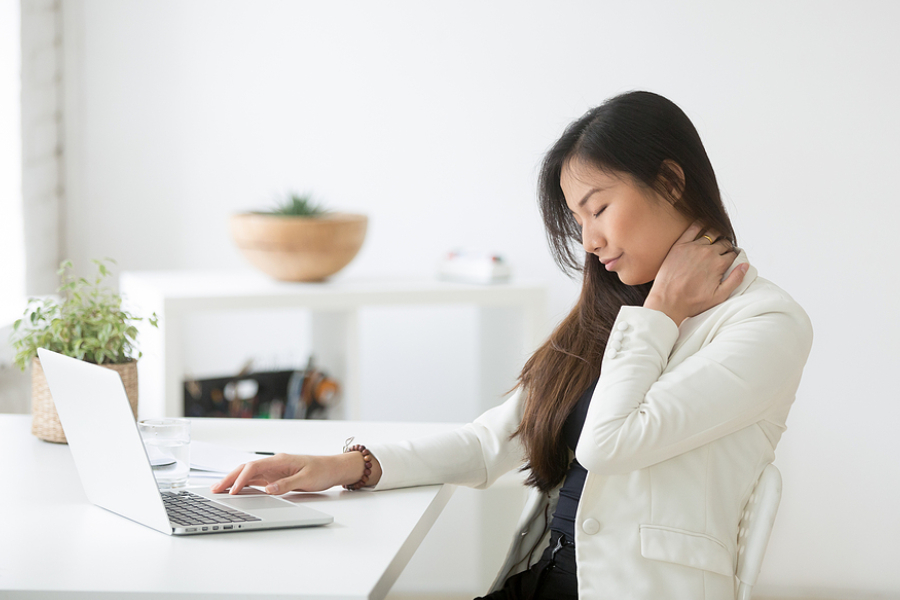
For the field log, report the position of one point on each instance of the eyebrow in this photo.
(593, 191)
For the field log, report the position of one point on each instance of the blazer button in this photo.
(590, 526)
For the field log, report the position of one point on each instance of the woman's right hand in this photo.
(283, 473)
(690, 278)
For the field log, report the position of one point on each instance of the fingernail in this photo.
(745, 267)
(272, 489)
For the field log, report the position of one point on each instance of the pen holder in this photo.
(299, 394)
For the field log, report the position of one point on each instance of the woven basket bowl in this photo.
(299, 248)
(45, 421)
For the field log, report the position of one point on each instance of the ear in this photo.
(671, 179)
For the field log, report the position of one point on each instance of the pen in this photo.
(265, 453)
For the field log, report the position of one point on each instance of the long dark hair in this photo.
(639, 135)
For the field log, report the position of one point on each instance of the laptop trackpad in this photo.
(254, 502)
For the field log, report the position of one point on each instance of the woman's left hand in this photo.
(690, 278)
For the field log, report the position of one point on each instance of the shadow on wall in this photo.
(15, 386)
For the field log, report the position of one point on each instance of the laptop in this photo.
(115, 470)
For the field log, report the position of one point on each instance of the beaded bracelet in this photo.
(367, 459)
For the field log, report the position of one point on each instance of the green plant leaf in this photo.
(87, 322)
(298, 205)
(63, 266)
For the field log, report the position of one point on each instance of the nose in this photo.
(591, 239)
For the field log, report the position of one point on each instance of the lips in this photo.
(609, 263)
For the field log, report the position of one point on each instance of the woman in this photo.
(648, 415)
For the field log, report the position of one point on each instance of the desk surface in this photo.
(56, 544)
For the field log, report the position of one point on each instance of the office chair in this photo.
(755, 529)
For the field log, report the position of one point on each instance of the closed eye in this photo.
(597, 214)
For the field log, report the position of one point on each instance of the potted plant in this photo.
(299, 240)
(86, 322)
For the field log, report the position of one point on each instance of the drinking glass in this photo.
(168, 444)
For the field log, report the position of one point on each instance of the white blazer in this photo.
(681, 424)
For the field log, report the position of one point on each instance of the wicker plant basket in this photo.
(45, 422)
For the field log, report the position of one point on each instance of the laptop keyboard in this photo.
(188, 509)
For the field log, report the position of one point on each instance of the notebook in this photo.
(115, 471)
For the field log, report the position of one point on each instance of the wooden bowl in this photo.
(291, 248)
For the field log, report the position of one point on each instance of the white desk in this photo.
(512, 323)
(54, 544)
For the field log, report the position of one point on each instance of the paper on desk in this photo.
(215, 460)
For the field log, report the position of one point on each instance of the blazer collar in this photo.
(749, 278)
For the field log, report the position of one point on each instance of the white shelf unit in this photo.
(512, 322)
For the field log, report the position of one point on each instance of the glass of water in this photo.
(168, 443)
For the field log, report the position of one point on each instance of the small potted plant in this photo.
(299, 240)
(87, 322)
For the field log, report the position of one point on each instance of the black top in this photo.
(570, 492)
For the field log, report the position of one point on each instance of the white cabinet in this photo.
(511, 323)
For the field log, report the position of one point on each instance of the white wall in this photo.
(432, 118)
(13, 384)
(12, 269)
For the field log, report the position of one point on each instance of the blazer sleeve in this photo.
(642, 413)
(474, 455)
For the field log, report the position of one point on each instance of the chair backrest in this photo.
(755, 529)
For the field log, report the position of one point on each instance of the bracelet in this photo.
(367, 459)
